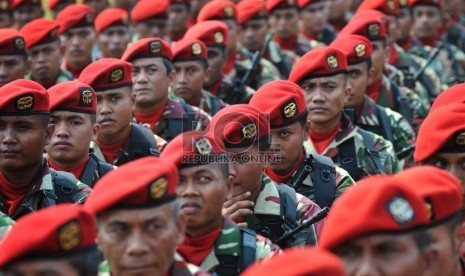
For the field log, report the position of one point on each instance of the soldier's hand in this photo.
(238, 207)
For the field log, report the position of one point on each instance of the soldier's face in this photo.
(325, 97)
(70, 141)
(202, 190)
(113, 41)
(426, 21)
(283, 144)
(78, 43)
(196, 6)
(23, 139)
(453, 6)
(448, 243)
(285, 22)
(151, 28)
(378, 59)
(252, 34)
(97, 5)
(114, 111)
(190, 77)
(315, 17)
(12, 68)
(404, 24)
(151, 81)
(359, 78)
(44, 61)
(337, 9)
(383, 254)
(246, 171)
(42, 267)
(140, 242)
(178, 15)
(6, 21)
(216, 60)
(26, 13)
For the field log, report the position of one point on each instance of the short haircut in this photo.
(168, 65)
(86, 263)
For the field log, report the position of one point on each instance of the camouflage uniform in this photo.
(401, 134)
(342, 177)
(377, 158)
(210, 103)
(45, 191)
(179, 268)
(225, 89)
(131, 147)
(326, 36)
(301, 46)
(5, 224)
(243, 63)
(455, 34)
(63, 76)
(229, 243)
(268, 203)
(178, 117)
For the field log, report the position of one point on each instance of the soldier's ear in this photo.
(172, 77)
(431, 261)
(371, 74)
(229, 186)
(208, 73)
(306, 130)
(95, 131)
(181, 226)
(49, 133)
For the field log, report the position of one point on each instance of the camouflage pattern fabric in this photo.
(62, 76)
(367, 160)
(326, 36)
(402, 133)
(210, 103)
(5, 224)
(228, 93)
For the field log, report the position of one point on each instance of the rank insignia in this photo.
(373, 30)
(85, 96)
(249, 131)
(460, 139)
(155, 47)
(203, 146)
(69, 236)
(196, 49)
(158, 188)
(332, 62)
(391, 5)
(400, 210)
(218, 37)
(228, 11)
(360, 50)
(25, 103)
(289, 109)
(116, 75)
(19, 43)
(4, 5)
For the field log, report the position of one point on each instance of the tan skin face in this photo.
(12, 67)
(22, 139)
(69, 145)
(232, 35)
(113, 41)
(150, 83)
(114, 114)
(404, 24)
(44, 61)
(314, 17)
(26, 13)
(284, 22)
(252, 34)
(97, 5)
(387, 255)
(325, 97)
(216, 61)
(202, 190)
(426, 21)
(41, 268)
(140, 241)
(448, 248)
(6, 20)
(337, 9)
(178, 16)
(153, 27)
(190, 77)
(378, 57)
(284, 142)
(359, 78)
(78, 43)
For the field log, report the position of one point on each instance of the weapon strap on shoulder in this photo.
(139, 145)
(324, 180)
(402, 104)
(187, 123)
(370, 146)
(94, 170)
(65, 188)
(347, 158)
(215, 105)
(387, 130)
(249, 248)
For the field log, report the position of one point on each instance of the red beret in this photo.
(389, 7)
(72, 96)
(111, 17)
(193, 148)
(440, 191)
(391, 207)
(304, 3)
(145, 182)
(75, 15)
(217, 9)
(54, 232)
(189, 49)
(16, 3)
(437, 3)
(5, 5)
(442, 130)
(23, 97)
(147, 48)
(11, 42)
(320, 62)
(356, 48)
(299, 261)
(272, 5)
(283, 100)
(210, 32)
(240, 125)
(107, 73)
(250, 9)
(452, 95)
(367, 23)
(145, 9)
(40, 31)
